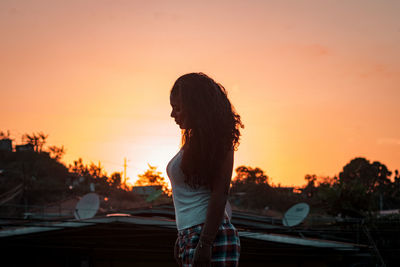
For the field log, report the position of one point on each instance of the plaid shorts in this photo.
(225, 249)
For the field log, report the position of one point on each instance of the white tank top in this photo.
(190, 204)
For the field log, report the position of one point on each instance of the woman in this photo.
(201, 172)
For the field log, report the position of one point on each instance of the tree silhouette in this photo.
(153, 177)
(56, 152)
(115, 180)
(310, 189)
(249, 175)
(360, 172)
(4, 135)
(37, 140)
(79, 168)
(250, 188)
(359, 189)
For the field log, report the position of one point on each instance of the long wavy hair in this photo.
(213, 127)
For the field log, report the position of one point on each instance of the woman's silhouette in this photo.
(201, 172)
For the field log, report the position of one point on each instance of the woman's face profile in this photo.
(177, 113)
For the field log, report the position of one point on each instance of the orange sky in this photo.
(316, 82)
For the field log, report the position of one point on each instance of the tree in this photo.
(359, 189)
(153, 177)
(86, 174)
(395, 188)
(96, 171)
(44, 180)
(310, 189)
(56, 152)
(4, 135)
(250, 188)
(79, 168)
(115, 180)
(373, 177)
(37, 140)
(249, 175)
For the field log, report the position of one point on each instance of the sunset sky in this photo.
(317, 83)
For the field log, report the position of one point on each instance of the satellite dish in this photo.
(296, 214)
(228, 209)
(87, 207)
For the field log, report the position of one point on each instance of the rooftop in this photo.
(139, 234)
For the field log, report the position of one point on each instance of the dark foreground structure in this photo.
(146, 238)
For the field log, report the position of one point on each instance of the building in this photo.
(6, 144)
(146, 190)
(26, 147)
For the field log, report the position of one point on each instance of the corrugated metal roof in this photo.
(302, 241)
(43, 226)
(159, 217)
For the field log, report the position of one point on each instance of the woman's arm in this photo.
(215, 210)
